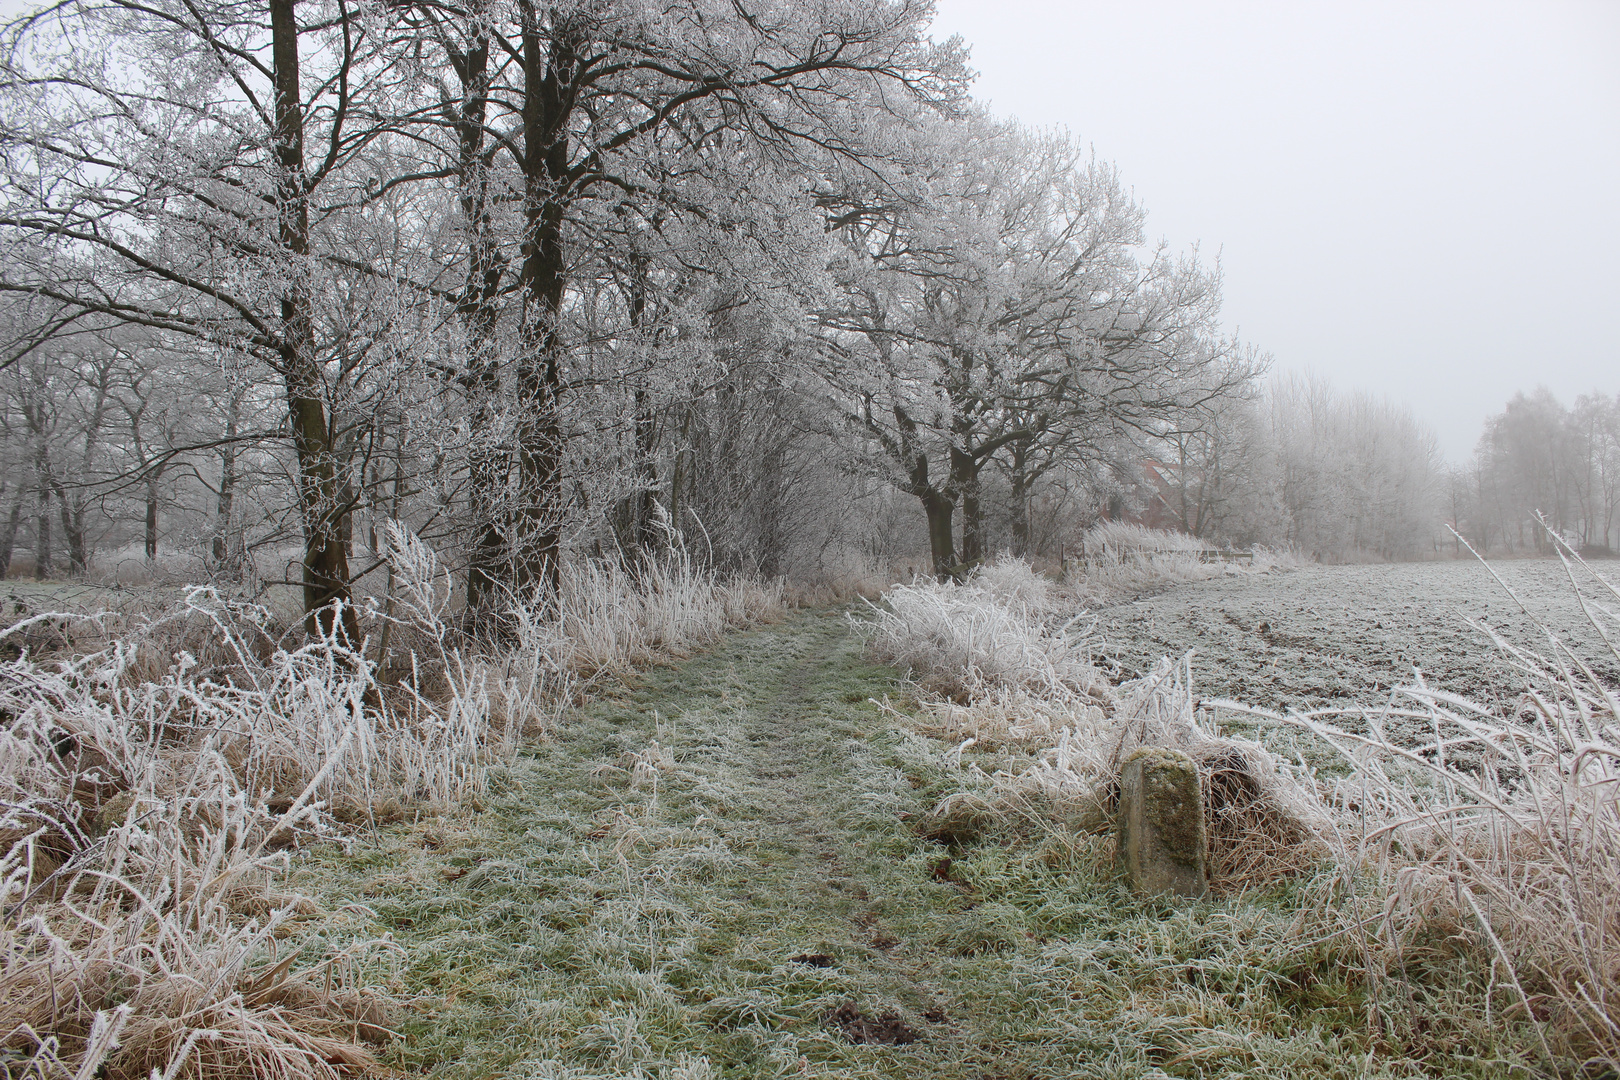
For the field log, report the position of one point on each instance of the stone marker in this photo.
(1161, 823)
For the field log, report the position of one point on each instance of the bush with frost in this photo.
(1118, 560)
(995, 630)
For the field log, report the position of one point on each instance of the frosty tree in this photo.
(1005, 309)
(199, 170)
(266, 181)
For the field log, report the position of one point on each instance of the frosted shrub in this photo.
(1119, 541)
(1014, 582)
(149, 799)
(967, 638)
(1269, 558)
(1118, 560)
(607, 619)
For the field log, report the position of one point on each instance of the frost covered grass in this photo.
(1118, 561)
(152, 791)
(1474, 873)
(727, 854)
(997, 631)
(1503, 825)
(595, 924)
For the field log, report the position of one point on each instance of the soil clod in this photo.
(815, 960)
(888, 1029)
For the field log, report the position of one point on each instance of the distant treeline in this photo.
(1351, 477)
(1538, 457)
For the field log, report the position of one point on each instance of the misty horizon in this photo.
(1414, 200)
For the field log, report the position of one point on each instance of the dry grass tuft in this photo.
(146, 937)
(613, 618)
(151, 789)
(995, 631)
(999, 671)
(148, 809)
(1504, 827)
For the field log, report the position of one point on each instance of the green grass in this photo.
(584, 925)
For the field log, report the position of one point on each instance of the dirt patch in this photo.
(888, 1029)
(815, 960)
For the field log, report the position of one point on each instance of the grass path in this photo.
(711, 873)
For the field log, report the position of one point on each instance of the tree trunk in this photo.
(965, 479)
(677, 479)
(941, 544)
(775, 489)
(634, 515)
(488, 459)
(646, 500)
(42, 512)
(328, 606)
(973, 540)
(73, 533)
(224, 550)
(939, 506)
(42, 532)
(388, 607)
(550, 66)
(8, 532)
(152, 479)
(638, 511)
(1021, 487)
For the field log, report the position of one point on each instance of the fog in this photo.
(1412, 199)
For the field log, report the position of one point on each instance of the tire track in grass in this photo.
(594, 919)
(710, 873)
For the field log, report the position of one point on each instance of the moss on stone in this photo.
(1172, 802)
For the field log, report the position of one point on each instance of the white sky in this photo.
(1420, 199)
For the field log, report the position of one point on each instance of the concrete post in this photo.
(1162, 838)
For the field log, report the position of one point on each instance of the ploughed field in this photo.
(1335, 636)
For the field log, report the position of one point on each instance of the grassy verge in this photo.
(714, 872)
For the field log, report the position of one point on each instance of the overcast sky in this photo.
(1418, 198)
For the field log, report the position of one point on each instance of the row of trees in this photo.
(550, 277)
(537, 276)
(1341, 476)
(1351, 476)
